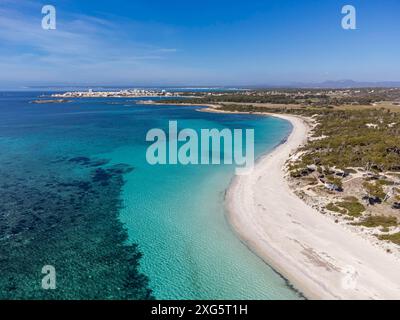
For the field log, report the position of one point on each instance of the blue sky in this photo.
(197, 42)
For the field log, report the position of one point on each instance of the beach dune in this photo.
(320, 258)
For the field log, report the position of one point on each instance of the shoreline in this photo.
(319, 258)
(316, 256)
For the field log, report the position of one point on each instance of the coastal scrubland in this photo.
(327, 98)
(350, 166)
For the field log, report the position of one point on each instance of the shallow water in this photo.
(174, 213)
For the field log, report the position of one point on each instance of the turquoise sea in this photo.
(78, 194)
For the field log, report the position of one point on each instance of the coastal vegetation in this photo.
(327, 98)
(394, 237)
(376, 221)
(355, 156)
(374, 189)
(350, 206)
(343, 139)
(352, 158)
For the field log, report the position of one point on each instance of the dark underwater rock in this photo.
(85, 161)
(80, 160)
(68, 221)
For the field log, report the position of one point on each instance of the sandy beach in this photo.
(320, 258)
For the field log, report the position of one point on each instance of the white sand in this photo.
(320, 258)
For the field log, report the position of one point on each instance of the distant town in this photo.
(128, 93)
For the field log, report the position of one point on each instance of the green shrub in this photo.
(295, 174)
(350, 207)
(395, 237)
(376, 221)
(335, 181)
(332, 207)
(385, 182)
(354, 208)
(351, 199)
(374, 190)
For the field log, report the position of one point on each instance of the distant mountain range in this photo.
(330, 84)
(346, 84)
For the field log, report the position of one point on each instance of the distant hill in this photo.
(330, 84)
(347, 84)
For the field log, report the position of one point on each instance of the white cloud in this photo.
(82, 47)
